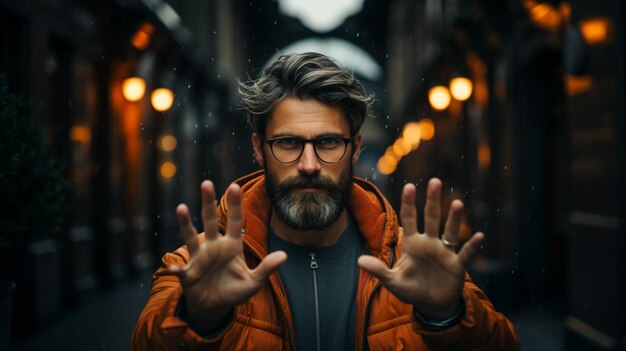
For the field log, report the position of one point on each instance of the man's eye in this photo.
(289, 143)
(329, 142)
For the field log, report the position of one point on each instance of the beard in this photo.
(309, 210)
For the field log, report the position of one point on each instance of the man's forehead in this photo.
(294, 116)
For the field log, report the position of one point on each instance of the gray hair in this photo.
(305, 76)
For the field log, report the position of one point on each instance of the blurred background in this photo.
(114, 111)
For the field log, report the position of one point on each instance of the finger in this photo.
(209, 210)
(235, 212)
(187, 231)
(408, 213)
(470, 248)
(268, 265)
(432, 209)
(375, 267)
(451, 232)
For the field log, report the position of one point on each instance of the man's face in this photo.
(307, 194)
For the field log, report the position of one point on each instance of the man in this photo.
(304, 256)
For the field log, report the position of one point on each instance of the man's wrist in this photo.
(200, 324)
(440, 325)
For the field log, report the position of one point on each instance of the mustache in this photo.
(307, 181)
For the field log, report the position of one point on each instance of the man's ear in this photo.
(257, 144)
(358, 138)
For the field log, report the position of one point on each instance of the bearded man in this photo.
(302, 255)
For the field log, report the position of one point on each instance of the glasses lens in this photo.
(287, 149)
(330, 149)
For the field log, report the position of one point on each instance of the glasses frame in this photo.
(313, 141)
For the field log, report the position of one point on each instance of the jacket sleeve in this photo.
(159, 327)
(481, 328)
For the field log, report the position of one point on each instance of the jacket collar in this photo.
(376, 219)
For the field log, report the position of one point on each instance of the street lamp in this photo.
(461, 88)
(133, 88)
(439, 97)
(162, 99)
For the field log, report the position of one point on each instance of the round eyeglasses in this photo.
(288, 149)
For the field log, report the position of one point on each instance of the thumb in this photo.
(375, 267)
(268, 265)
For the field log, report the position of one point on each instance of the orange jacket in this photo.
(264, 322)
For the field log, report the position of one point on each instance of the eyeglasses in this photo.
(288, 149)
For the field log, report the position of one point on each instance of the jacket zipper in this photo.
(314, 266)
(369, 302)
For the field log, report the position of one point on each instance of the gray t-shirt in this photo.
(336, 275)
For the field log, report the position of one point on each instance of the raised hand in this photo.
(217, 278)
(430, 273)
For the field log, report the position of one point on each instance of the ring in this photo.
(447, 243)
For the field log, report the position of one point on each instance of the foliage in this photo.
(32, 188)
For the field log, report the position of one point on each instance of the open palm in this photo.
(217, 278)
(430, 273)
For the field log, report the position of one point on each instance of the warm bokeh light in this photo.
(392, 153)
(168, 169)
(566, 11)
(81, 134)
(484, 155)
(142, 37)
(427, 128)
(439, 97)
(133, 88)
(386, 165)
(412, 133)
(595, 30)
(162, 99)
(167, 143)
(461, 88)
(401, 147)
(575, 85)
(544, 15)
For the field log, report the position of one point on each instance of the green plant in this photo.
(32, 187)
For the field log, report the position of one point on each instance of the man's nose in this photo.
(309, 163)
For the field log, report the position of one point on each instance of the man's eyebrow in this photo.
(321, 135)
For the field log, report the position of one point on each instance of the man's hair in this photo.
(304, 76)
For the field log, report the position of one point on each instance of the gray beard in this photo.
(309, 210)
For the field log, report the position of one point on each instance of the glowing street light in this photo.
(461, 88)
(162, 99)
(439, 97)
(133, 88)
(386, 164)
(168, 169)
(167, 143)
(427, 128)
